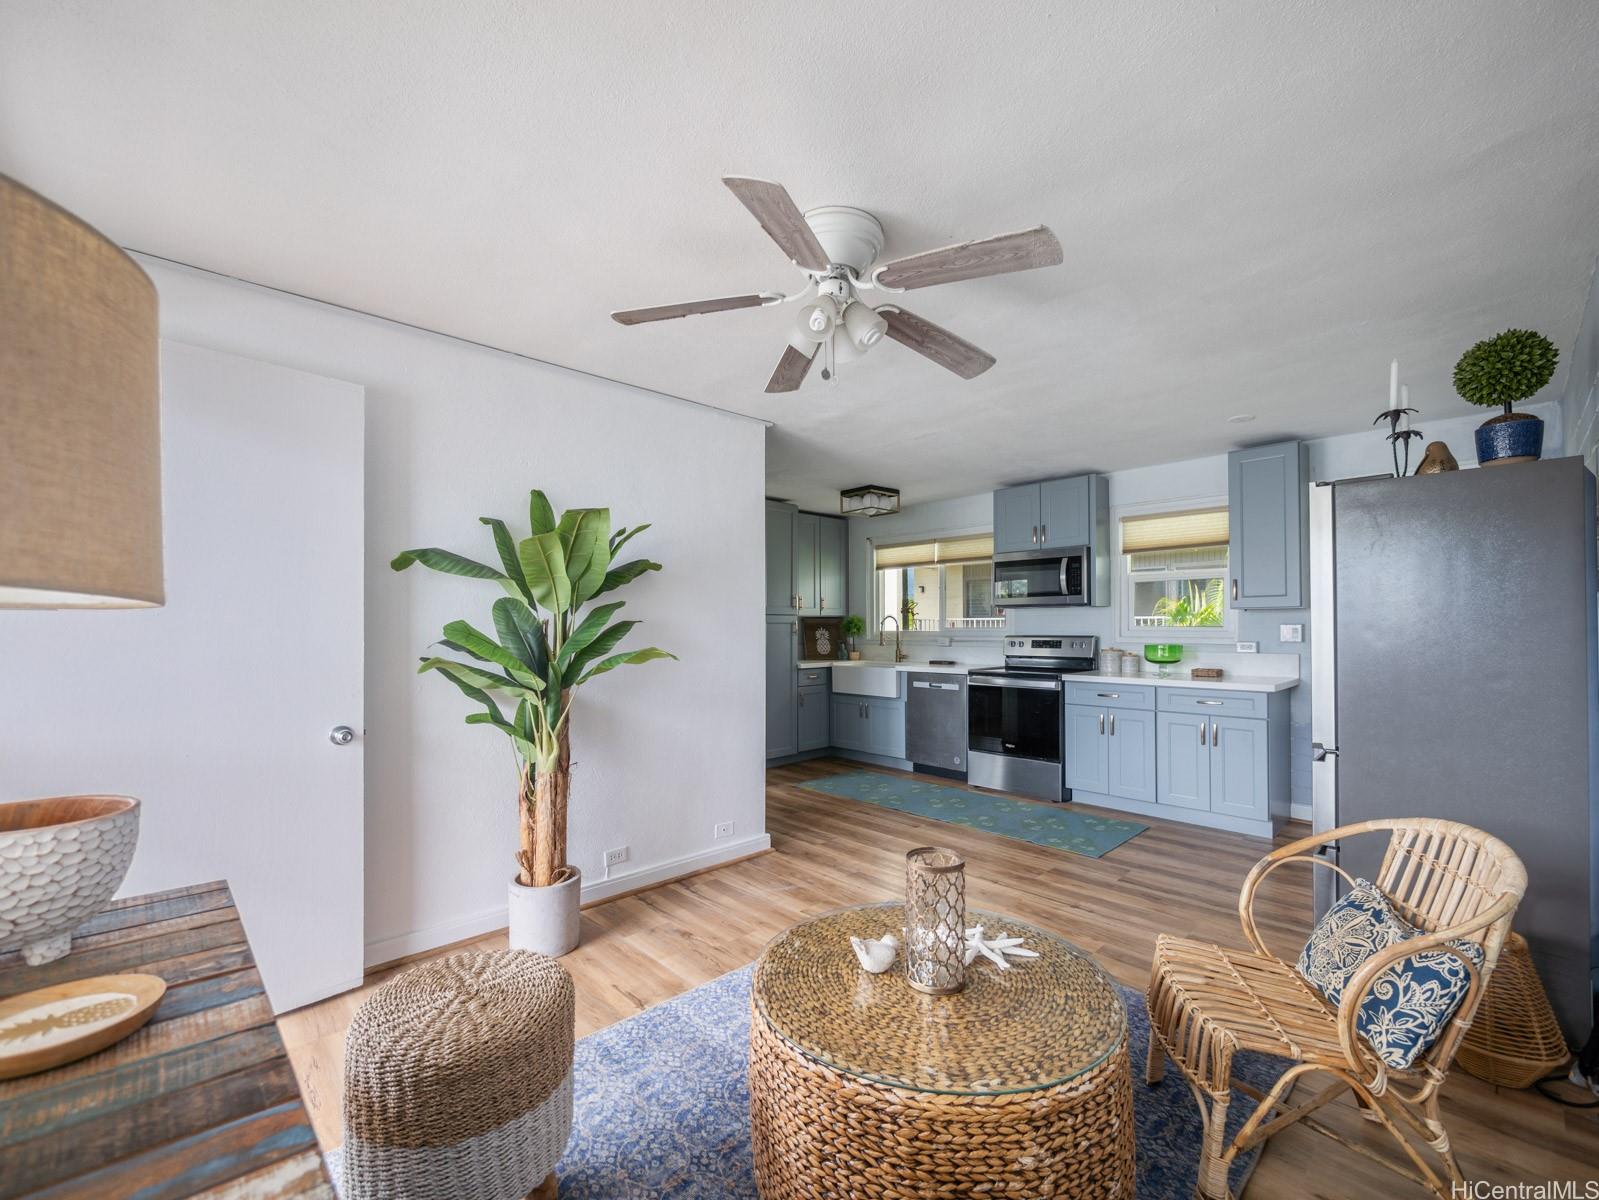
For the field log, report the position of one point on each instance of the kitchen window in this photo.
(941, 585)
(1173, 565)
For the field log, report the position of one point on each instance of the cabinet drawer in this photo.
(1215, 704)
(1110, 695)
(815, 677)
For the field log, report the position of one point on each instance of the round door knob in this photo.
(341, 735)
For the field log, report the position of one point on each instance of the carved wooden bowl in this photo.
(61, 860)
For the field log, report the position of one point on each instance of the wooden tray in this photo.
(55, 1025)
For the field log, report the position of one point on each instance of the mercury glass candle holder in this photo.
(935, 920)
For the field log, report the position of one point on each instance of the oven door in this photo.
(1015, 717)
(1025, 578)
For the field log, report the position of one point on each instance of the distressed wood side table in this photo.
(199, 1102)
(862, 1087)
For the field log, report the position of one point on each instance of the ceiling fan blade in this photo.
(791, 370)
(972, 260)
(940, 345)
(771, 205)
(665, 312)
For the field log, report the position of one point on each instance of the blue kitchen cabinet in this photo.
(885, 727)
(1130, 754)
(1183, 771)
(1087, 755)
(1066, 511)
(805, 540)
(811, 718)
(1016, 518)
(849, 723)
(1269, 523)
(832, 551)
(780, 557)
(1238, 767)
(782, 651)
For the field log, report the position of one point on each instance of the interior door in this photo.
(216, 710)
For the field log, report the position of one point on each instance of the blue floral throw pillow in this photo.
(1410, 1003)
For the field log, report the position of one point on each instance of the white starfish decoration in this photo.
(996, 950)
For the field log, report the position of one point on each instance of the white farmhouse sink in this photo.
(859, 679)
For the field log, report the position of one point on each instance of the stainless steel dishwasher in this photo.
(935, 722)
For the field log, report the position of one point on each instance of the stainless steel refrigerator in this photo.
(1454, 674)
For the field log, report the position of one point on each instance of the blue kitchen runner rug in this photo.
(661, 1109)
(1057, 826)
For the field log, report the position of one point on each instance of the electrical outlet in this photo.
(1290, 633)
(618, 855)
(1248, 647)
(723, 829)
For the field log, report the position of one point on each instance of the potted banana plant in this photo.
(547, 643)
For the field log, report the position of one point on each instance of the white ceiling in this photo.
(1260, 203)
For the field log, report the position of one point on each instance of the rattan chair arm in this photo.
(1257, 873)
(1371, 970)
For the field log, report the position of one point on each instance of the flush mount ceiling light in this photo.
(80, 428)
(869, 500)
(838, 248)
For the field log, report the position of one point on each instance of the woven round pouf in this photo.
(458, 1081)
(863, 1088)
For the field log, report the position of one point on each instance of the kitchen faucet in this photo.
(899, 655)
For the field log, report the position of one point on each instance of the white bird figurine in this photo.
(876, 955)
(996, 950)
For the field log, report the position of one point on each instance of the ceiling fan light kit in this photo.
(837, 246)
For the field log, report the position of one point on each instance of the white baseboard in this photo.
(487, 920)
(631, 881)
(1299, 812)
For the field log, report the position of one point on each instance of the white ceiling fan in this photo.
(838, 248)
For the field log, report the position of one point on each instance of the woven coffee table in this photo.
(863, 1088)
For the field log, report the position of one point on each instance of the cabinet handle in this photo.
(1102, 724)
(1235, 589)
(1210, 702)
(1109, 695)
(1201, 733)
(802, 699)
(1215, 734)
(1112, 724)
(1043, 534)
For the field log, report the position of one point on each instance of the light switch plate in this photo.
(1290, 633)
(1248, 647)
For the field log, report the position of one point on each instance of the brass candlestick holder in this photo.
(935, 920)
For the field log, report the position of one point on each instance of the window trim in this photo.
(928, 635)
(1122, 589)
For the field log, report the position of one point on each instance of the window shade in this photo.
(940, 551)
(1175, 531)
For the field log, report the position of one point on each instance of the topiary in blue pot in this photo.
(1501, 370)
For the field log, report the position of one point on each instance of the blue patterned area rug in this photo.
(1058, 826)
(662, 1106)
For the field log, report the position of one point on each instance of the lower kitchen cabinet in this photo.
(869, 725)
(1184, 760)
(812, 718)
(782, 653)
(1111, 751)
(1238, 767)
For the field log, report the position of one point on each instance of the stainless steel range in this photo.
(1014, 715)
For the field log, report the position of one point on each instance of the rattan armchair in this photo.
(1207, 1002)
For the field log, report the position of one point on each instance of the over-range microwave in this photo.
(1025, 577)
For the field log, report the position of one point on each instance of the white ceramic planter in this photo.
(545, 919)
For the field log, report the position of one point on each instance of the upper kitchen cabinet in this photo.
(1269, 521)
(1053, 515)
(805, 561)
(832, 551)
(1016, 518)
(780, 557)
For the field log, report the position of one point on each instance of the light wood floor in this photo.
(642, 949)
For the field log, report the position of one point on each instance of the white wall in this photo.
(1341, 457)
(661, 752)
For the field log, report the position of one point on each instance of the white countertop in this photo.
(1232, 683)
(813, 663)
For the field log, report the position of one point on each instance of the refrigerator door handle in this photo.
(1320, 753)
